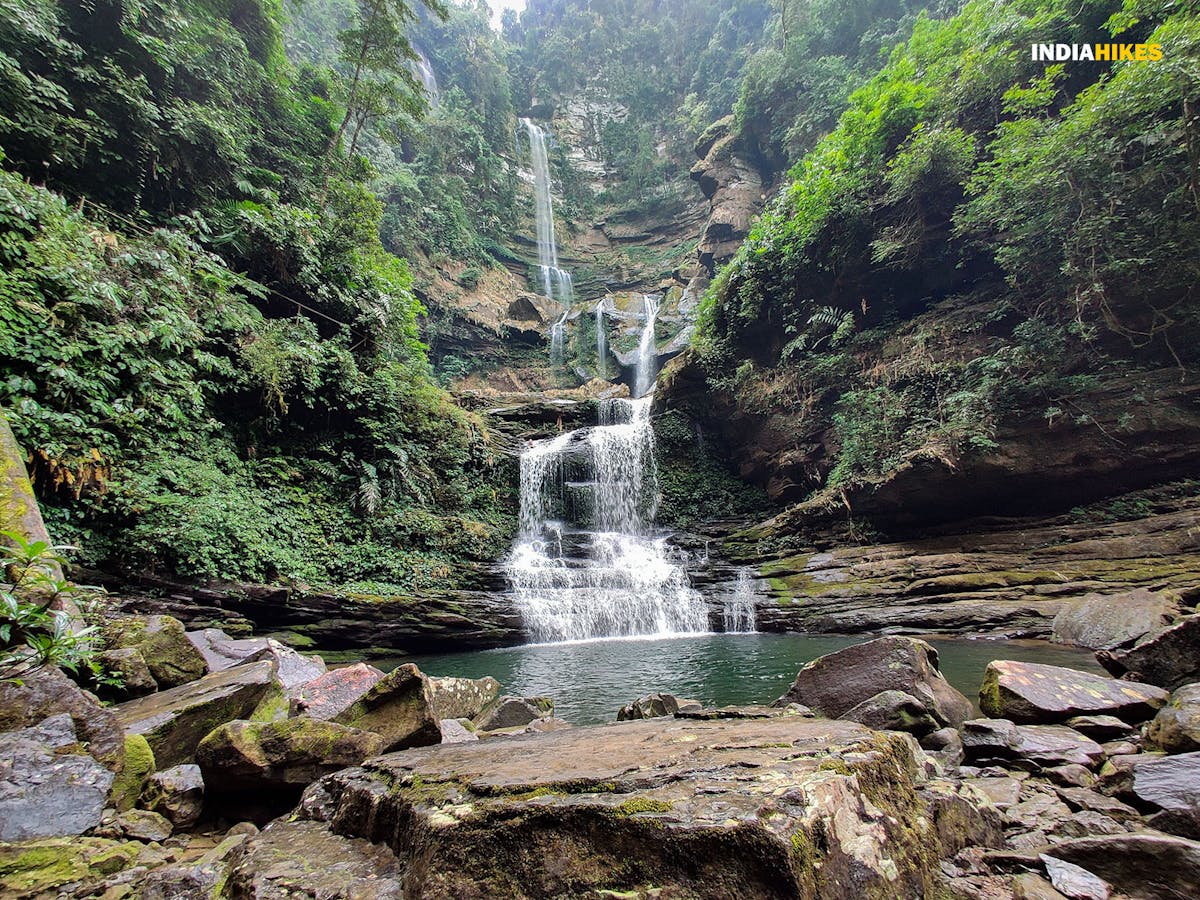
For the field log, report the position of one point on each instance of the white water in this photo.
(738, 610)
(424, 72)
(601, 343)
(587, 564)
(647, 360)
(558, 337)
(556, 282)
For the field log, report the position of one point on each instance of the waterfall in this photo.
(738, 609)
(647, 360)
(558, 340)
(587, 563)
(601, 343)
(424, 72)
(556, 282)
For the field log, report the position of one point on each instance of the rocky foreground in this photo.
(242, 769)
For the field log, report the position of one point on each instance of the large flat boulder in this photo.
(1169, 782)
(220, 652)
(992, 741)
(1035, 693)
(162, 643)
(837, 682)
(513, 712)
(294, 752)
(174, 722)
(49, 786)
(1176, 727)
(463, 698)
(47, 692)
(399, 708)
(1141, 866)
(781, 807)
(1169, 659)
(1107, 621)
(335, 691)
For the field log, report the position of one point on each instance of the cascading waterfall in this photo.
(601, 343)
(556, 282)
(558, 337)
(647, 360)
(424, 72)
(587, 563)
(738, 609)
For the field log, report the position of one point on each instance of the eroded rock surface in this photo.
(1037, 693)
(1170, 658)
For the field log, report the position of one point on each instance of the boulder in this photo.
(1108, 621)
(1045, 746)
(893, 711)
(1116, 775)
(399, 708)
(1082, 799)
(303, 859)
(653, 706)
(1031, 886)
(49, 786)
(143, 825)
(220, 652)
(1141, 866)
(1169, 659)
(1101, 728)
(463, 698)
(130, 668)
(456, 731)
(40, 868)
(961, 816)
(1176, 727)
(177, 794)
(335, 691)
(1182, 822)
(747, 808)
(240, 756)
(47, 692)
(175, 721)
(131, 780)
(162, 643)
(837, 682)
(513, 712)
(1039, 694)
(1075, 881)
(1168, 782)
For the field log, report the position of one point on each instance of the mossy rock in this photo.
(36, 868)
(139, 766)
(163, 644)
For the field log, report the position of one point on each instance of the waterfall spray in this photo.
(601, 343)
(556, 282)
(647, 360)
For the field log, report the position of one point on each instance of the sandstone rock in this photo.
(837, 682)
(130, 781)
(335, 691)
(1085, 823)
(1169, 782)
(1081, 799)
(463, 698)
(241, 756)
(1120, 748)
(1036, 693)
(513, 712)
(1074, 881)
(1070, 775)
(144, 825)
(129, 666)
(1030, 886)
(457, 731)
(1107, 621)
(755, 808)
(1176, 728)
(1100, 728)
(1002, 792)
(653, 706)
(1181, 822)
(893, 711)
(1116, 775)
(47, 692)
(162, 643)
(37, 869)
(303, 859)
(1142, 866)
(1169, 659)
(962, 817)
(49, 786)
(945, 745)
(1001, 740)
(177, 794)
(399, 708)
(175, 721)
(220, 652)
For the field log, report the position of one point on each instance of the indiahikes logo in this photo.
(1096, 52)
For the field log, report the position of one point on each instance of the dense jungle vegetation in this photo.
(981, 238)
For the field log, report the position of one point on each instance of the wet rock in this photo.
(1001, 740)
(837, 682)
(251, 756)
(463, 698)
(1100, 728)
(221, 652)
(177, 794)
(1176, 727)
(39, 868)
(175, 721)
(458, 731)
(1143, 866)
(1169, 782)
(129, 666)
(335, 691)
(1074, 881)
(303, 859)
(399, 708)
(1169, 659)
(144, 825)
(513, 712)
(162, 643)
(49, 786)
(47, 692)
(1039, 694)
(653, 706)
(893, 711)
(1107, 621)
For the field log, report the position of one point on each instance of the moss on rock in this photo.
(139, 766)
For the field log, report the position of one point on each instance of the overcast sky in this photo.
(498, 6)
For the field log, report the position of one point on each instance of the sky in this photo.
(498, 6)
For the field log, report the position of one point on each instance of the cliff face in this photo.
(736, 189)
